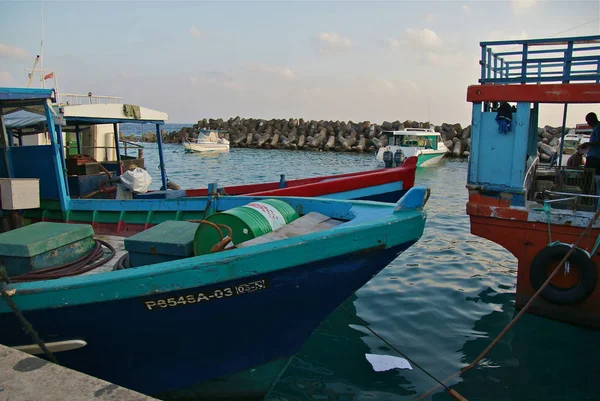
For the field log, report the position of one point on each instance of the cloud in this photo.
(423, 38)
(12, 51)
(466, 9)
(6, 78)
(331, 43)
(285, 73)
(393, 43)
(430, 18)
(391, 87)
(216, 78)
(521, 7)
(197, 33)
(502, 35)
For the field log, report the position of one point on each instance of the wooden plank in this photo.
(309, 223)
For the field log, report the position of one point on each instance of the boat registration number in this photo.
(204, 296)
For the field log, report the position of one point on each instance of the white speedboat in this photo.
(207, 141)
(424, 143)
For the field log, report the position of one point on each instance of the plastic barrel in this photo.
(246, 222)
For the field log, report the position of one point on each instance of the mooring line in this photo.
(583, 234)
(440, 383)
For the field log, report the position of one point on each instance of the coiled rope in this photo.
(78, 266)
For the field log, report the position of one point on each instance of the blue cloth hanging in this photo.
(504, 118)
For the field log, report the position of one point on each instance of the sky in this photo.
(338, 60)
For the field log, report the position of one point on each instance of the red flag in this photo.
(51, 75)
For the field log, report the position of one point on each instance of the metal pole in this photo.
(78, 137)
(7, 155)
(116, 129)
(562, 138)
(163, 173)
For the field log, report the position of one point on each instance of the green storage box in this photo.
(41, 245)
(166, 241)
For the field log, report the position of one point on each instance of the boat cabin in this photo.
(414, 137)
(92, 157)
(538, 210)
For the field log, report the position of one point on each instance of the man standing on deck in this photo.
(593, 156)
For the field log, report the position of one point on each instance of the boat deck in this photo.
(116, 242)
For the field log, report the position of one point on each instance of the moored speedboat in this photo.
(423, 143)
(207, 141)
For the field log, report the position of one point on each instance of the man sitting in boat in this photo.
(593, 156)
(576, 160)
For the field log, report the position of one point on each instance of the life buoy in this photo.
(551, 256)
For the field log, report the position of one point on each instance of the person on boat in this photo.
(576, 160)
(593, 156)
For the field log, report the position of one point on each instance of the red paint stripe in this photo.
(549, 93)
(324, 185)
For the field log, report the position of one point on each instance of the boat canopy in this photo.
(90, 114)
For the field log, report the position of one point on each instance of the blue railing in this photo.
(541, 60)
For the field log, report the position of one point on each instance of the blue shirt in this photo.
(595, 137)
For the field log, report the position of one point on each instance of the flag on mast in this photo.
(48, 76)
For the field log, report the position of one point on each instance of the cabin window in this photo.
(418, 141)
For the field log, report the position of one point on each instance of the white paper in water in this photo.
(382, 363)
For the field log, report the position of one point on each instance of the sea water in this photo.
(440, 303)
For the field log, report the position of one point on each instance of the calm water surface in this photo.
(441, 302)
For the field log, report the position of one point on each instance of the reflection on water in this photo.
(441, 302)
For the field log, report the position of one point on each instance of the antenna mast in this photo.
(42, 85)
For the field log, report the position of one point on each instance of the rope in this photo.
(24, 322)
(223, 241)
(584, 233)
(74, 268)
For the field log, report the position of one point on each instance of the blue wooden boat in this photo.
(222, 322)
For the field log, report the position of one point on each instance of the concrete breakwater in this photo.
(337, 136)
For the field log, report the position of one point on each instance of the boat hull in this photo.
(217, 335)
(200, 148)
(430, 159)
(513, 229)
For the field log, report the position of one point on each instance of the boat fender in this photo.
(399, 157)
(552, 255)
(388, 158)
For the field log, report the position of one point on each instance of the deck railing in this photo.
(565, 60)
(65, 99)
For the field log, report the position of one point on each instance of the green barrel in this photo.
(246, 222)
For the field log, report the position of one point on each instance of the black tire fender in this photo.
(578, 260)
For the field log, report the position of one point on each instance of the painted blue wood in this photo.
(390, 192)
(56, 160)
(7, 164)
(61, 146)
(25, 93)
(26, 159)
(163, 173)
(537, 65)
(500, 158)
(475, 143)
(164, 349)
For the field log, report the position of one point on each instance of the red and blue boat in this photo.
(536, 211)
(219, 291)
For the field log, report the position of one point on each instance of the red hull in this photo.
(525, 239)
(320, 186)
